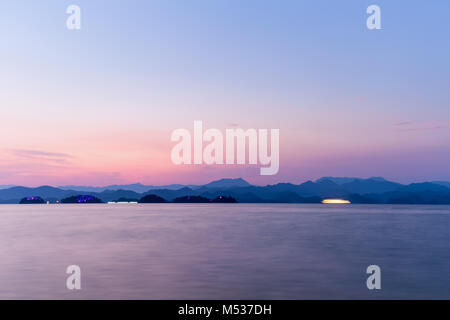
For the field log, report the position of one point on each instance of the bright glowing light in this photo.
(335, 201)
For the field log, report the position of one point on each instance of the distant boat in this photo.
(335, 201)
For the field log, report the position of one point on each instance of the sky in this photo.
(97, 106)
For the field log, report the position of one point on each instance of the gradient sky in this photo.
(97, 106)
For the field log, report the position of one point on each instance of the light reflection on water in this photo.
(234, 251)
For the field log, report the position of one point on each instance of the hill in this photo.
(357, 190)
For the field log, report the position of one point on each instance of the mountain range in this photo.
(140, 188)
(357, 190)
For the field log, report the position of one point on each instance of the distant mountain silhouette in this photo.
(370, 185)
(426, 197)
(82, 199)
(15, 194)
(338, 180)
(324, 188)
(32, 200)
(423, 187)
(228, 183)
(111, 195)
(357, 190)
(224, 199)
(135, 187)
(192, 199)
(152, 198)
(172, 194)
(140, 188)
(7, 186)
(442, 183)
(122, 199)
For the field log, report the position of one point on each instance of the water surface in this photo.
(229, 251)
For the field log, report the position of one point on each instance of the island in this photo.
(192, 199)
(32, 200)
(224, 199)
(152, 198)
(82, 199)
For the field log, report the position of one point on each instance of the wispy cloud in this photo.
(26, 154)
(404, 123)
(421, 126)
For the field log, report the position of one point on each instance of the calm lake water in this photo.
(260, 251)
